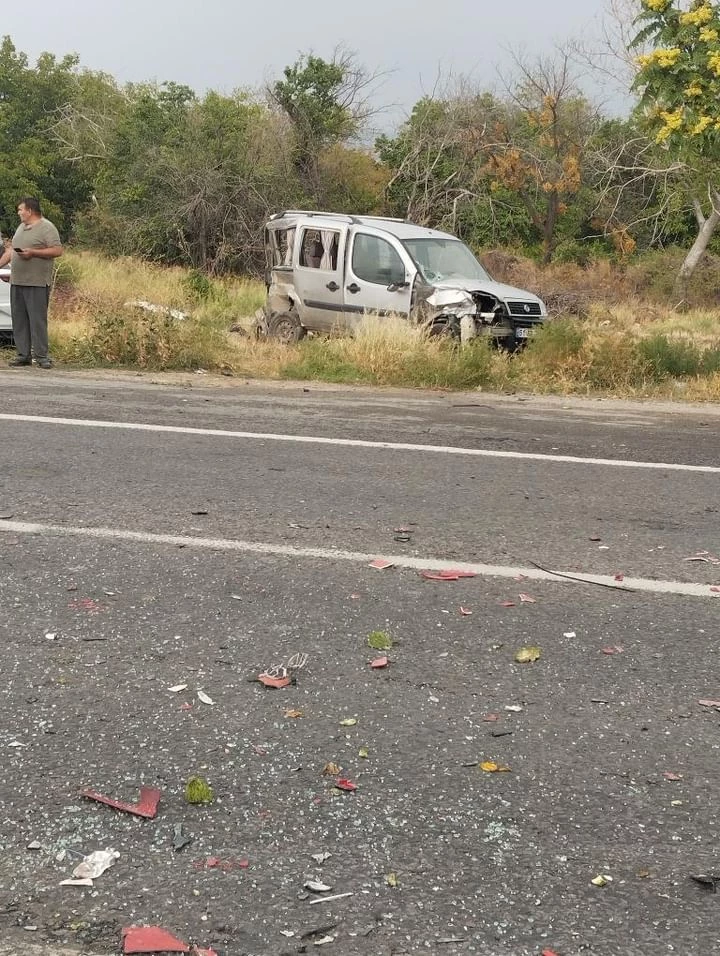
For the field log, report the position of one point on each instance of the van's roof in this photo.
(396, 227)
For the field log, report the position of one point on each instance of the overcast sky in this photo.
(226, 44)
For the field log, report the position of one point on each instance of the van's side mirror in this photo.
(396, 286)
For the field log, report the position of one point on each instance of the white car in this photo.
(325, 270)
(5, 321)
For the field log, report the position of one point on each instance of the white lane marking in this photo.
(356, 557)
(360, 443)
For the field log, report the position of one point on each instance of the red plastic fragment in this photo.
(549, 952)
(446, 575)
(619, 577)
(379, 662)
(669, 775)
(151, 939)
(715, 589)
(342, 784)
(489, 718)
(527, 599)
(380, 564)
(274, 682)
(507, 604)
(145, 807)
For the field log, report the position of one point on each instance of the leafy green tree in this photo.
(30, 164)
(327, 103)
(679, 81)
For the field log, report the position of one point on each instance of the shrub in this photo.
(671, 358)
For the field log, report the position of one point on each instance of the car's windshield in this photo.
(441, 259)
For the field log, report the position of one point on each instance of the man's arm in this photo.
(52, 252)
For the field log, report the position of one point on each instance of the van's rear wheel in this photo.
(286, 327)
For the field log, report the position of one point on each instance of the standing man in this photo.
(35, 244)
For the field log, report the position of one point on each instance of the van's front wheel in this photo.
(286, 327)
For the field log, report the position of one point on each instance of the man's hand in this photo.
(24, 254)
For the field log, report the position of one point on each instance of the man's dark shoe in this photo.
(18, 363)
(44, 363)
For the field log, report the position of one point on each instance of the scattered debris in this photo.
(274, 683)
(180, 838)
(446, 575)
(570, 634)
(709, 703)
(514, 708)
(363, 753)
(379, 663)
(527, 655)
(507, 604)
(177, 688)
(93, 866)
(315, 886)
(711, 880)
(465, 611)
(527, 599)
(380, 564)
(215, 863)
(489, 766)
(327, 899)
(85, 604)
(163, 310)
(704, 556)
(392, 880)
(574, 577)
(146, 806)
(331, 770)
(616, 649)
(281, 675)
(321, 858)
(491, 718)
(348, 722)
(204, 699)
(602, 880)
(380, 641)
(199, 512)
(669, 775)
(292, 714)
(343, 784)
(198, 791)
(451, 939)
(153, 939)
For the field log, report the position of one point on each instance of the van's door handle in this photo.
(354, 288)
(332, 286)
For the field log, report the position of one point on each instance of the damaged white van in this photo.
(325, 271)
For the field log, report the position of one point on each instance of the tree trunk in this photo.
(706, 229)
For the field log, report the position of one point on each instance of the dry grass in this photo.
(634, 347)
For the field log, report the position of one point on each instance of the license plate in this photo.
(523, 333)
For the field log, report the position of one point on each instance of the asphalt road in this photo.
(140, 559)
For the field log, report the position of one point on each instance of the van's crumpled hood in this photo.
(451, 292)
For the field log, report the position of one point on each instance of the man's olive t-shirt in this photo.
(38, 235)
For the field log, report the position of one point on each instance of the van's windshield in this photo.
(441, 259)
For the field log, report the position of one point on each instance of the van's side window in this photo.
(376, 261)
(319, 249)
